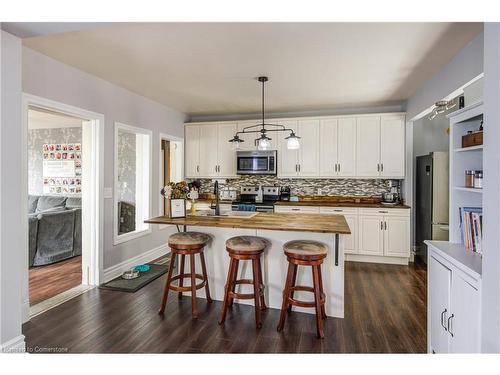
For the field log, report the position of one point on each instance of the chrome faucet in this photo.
(216, 192)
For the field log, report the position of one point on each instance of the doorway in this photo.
(63, 185)
(171, 164)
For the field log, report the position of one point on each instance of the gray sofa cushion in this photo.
(73, 202)
(32, 235)
(48, 202)
(55, 237)
(32, 202)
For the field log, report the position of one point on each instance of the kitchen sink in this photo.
(239, 214)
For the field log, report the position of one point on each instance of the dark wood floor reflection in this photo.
(385, 312)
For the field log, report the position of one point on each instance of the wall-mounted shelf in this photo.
(471, 148)
(470, 190)
(467, 113)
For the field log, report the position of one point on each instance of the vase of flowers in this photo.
(176, 193)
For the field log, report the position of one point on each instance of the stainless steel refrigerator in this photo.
(431, 200)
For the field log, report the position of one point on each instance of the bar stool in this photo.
(187, 243)
(244, 248)
(304, 253)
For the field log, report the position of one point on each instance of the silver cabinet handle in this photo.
(383, 212)
(449, 325)
(197, 168)
(339, 167)
(338, 210)
(385, 225)
(299, 167)
(443, 313)
(295, 209)
(382, 167)
(296, 169)
(378, 167)
(335, 167)
(381, 225)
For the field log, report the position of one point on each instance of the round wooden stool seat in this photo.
(246, 244)
(188, 240)
(305, 250)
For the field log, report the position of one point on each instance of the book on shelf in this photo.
(471, 222)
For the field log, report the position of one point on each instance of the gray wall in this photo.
(491, 193)
(11, 195)
(36, 139)
(48, 78)
(465, 66)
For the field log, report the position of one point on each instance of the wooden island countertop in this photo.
(300, 222)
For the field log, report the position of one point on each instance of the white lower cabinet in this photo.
(454, 312)
(376, 235)
(384, 232)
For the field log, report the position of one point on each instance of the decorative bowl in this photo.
(130, 274)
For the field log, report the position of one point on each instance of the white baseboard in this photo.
(376, 259)
(25, 311)
(116, 270)
(16, 345)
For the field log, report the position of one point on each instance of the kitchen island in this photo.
(277, 229)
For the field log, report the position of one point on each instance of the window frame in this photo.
(121, 238)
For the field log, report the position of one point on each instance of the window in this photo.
(132, 203)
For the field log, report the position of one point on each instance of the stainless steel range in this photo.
(257, 198)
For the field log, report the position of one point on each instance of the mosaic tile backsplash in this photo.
(310, 186)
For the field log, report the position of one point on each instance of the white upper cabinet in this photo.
(226, 155)
(208, 150)
(288, 159)
(308, 165)
(328, 135)
(392, 146)
(192, 151)
(368, 146)
(346, 146)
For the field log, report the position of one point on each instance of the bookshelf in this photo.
(462, 159)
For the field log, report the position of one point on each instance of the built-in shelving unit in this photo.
(462, 159)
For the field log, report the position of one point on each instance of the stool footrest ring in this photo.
(296, 302)
(186, 288)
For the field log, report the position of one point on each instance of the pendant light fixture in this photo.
(264, 142)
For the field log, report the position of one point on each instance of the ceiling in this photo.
(43, 119)
(210, 68)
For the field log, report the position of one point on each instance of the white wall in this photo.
(465, 66)
(491, 192)
(48, 78)
(11, 259)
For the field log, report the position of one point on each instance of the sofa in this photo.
(55, 229)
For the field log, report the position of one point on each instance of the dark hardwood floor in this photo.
(48, 281)
(385, 312)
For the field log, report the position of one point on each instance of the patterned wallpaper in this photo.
(126, 166)
(36, 139)
(310, 186)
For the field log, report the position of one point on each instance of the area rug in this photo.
(158, 267)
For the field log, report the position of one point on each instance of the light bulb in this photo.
(293, 143)
(264, 144)
(236, 145)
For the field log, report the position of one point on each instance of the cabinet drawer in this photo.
(306, 209)
(339, 210)
(385, 211)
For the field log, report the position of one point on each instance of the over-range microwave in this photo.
(256, 162)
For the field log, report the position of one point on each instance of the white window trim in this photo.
(118, 239)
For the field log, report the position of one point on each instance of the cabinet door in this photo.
(328, 147)
(226, 155)
(368, 146)
(464, 324)
(308, 130)
(208, 150)
(370, 238)
(439, 277)
(397, 236)
(192, 150)
(350, 242)
(288, 159)
(392, 146)
(347, 147)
